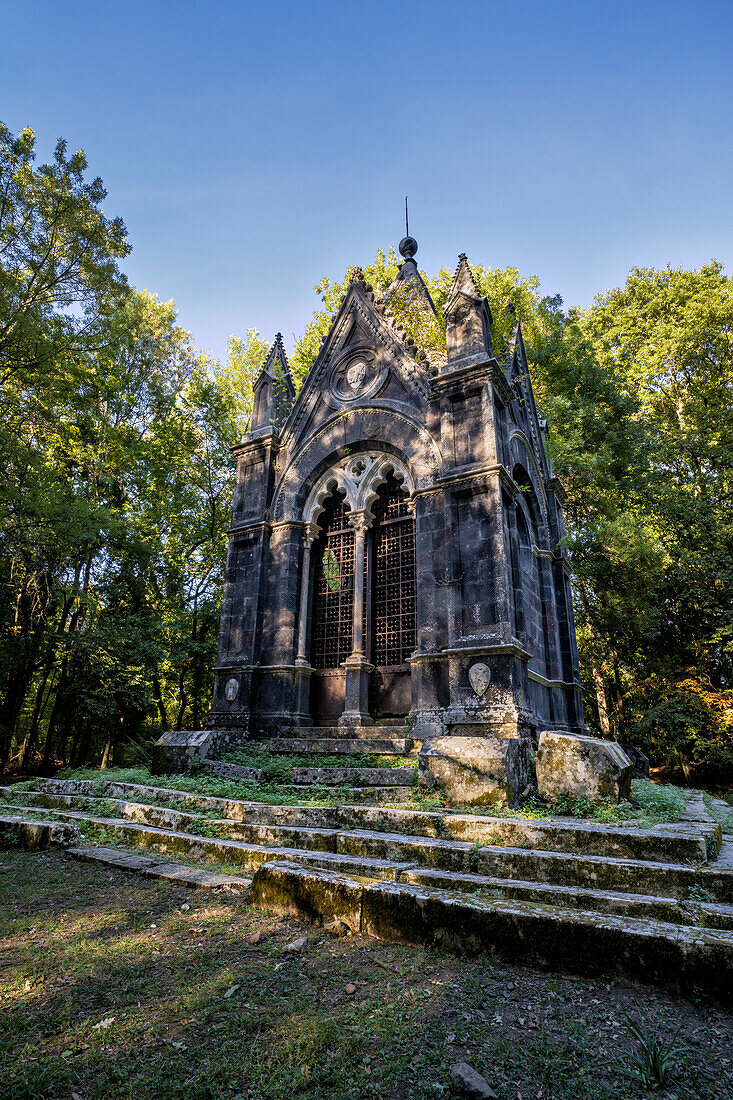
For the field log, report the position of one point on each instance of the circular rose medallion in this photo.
(357, 375)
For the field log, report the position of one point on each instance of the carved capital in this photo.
(361, 521)
(311, 532)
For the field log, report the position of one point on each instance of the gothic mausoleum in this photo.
(396, 553)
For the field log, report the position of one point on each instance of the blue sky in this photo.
(252, 148)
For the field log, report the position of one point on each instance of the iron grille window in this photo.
(333, 587)
(393, 586)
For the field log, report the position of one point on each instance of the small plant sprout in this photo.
(655, 1060)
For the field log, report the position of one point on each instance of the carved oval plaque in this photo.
(231, 690)
(479, 676)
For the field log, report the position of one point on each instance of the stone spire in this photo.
(408, 288)
(273, 389)
(468, 319)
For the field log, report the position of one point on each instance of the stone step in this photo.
(246, 855)
(588, 943)
(318, 733)
(364, 846)
(155, 868)
(554, 867)
(689, 912)
(357, 794)
(382, 746)
(357, 777)
(33, 834)
(661, 844)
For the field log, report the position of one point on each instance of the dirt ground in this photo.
(116, 986)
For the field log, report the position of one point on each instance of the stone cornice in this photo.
(257, 440)
(540, 679)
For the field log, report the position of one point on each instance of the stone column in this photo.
(310, 534)
(302, 663)
(356, 710)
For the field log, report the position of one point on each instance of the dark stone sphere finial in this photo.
(408, 247)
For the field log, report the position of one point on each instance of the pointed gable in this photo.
(468, 318)
(365, 358)
(273, 389)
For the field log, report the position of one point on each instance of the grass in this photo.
(126, 988)
(722, 816)
(651, 803)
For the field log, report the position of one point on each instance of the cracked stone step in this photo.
(394, 746)
(682, 958)
(562, 868)
(153, 868)
(633, 905)
(247, 855)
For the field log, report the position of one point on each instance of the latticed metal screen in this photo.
(333, 587)
(393, 581)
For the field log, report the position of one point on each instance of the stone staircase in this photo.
(650, 904)
(386, 739)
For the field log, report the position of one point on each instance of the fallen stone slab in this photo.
(477, 770)
(33, 835)
(174, 872)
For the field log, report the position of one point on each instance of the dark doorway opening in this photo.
(391, 601)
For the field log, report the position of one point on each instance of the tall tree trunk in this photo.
(158, 694)
(107, 753)
(618, 699)
(26, 754)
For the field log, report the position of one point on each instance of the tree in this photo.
(114, 441)
(667, 337)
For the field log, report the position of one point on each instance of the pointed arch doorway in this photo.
(363, 601)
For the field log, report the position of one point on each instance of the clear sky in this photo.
(253, 147)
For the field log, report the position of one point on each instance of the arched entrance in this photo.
(362, 603)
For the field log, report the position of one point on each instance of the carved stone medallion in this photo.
(231, 690)
(479, 676)
(356, 373)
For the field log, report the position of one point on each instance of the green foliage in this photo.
(656, 1060)
(237, 375)
(114, 447)
(666, 338)
(658, 801)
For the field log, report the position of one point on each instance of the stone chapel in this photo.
(396, 552)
